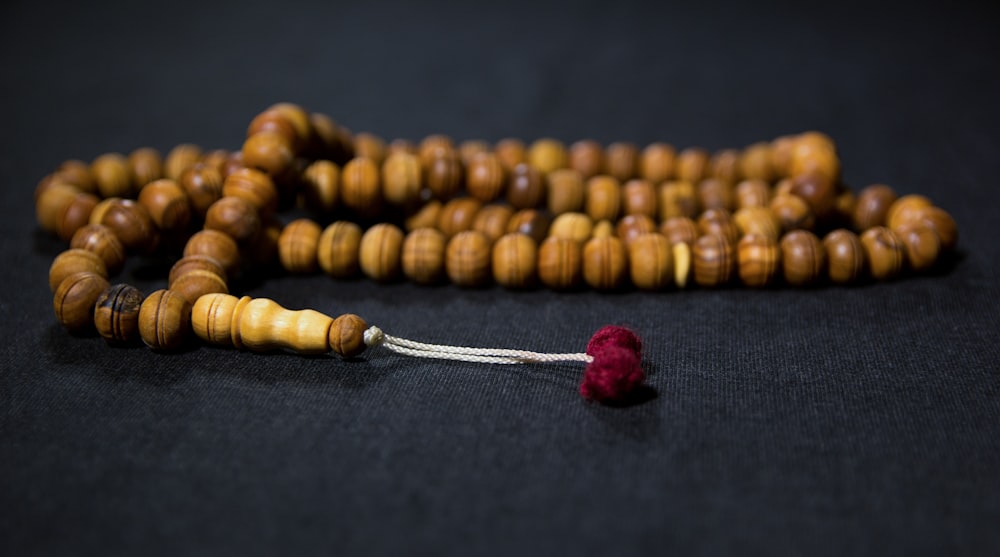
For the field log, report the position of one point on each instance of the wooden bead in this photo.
(167, 205)
(145, 166)
(845, 256)
(215, 319)
(677, 199)
(164, 320)
(217, 245)
(276, 122)
(782, 187)
(194, 284)
(381, 251)
(492, 220)
(359, 187)
(781, 154)
(844, 206)
(74, 261)
(714, 260)
(792, 212)
(471, 148)
(74, 300)
(818, 191)
(101, 241)
(443, 174)
(347, 335)
(321, 186)
(759, 221)
(921, 245)
(179, 159)
(63, 209)
(534, 224)
(719, 221)
(196, 262)
(639, 198)
(904, 209)
(714, 193)
(603, 229)
(426, 217)
(298, 246)
(515, 258)
(755, 163)
(566, 191)
(753, 193)
(622, 160)
(76, 215)
(605, 263)
(758, 260)
(682, 263)
(574, 226)
(485, 177)
(656, 163)
(603, 198)
(692, 165)
(467, 259)
(116, 314)
(234, 216)
(254, 187)
(680, 230)
(803, 258)
(458, 215)
(76, 173)
(130, 222)
(725, 166)
(268, 152)
(203, 185)
(232, 163)
(299, 117)
(586, 157)
(339, 247)
(434, 146)
(632, 226)
(261, 325)
(814, 153)
(511, 153)
(401, 179)
(423, 256)
(112, 175)
(525, 187)
(884, 251)
(940, 222)
(547, 154)
(651, 262)
(369, 146)
(560, 263)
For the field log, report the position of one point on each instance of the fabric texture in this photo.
(823, 421)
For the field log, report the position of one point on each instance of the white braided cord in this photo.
(375, 337)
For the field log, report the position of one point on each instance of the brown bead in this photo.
(492, 220)
(511, 153)
(467, 259)
(758, 220)
(219, 159)
(814, 153)
(299, 117)
(232, 163)
(116, 314)
(400, 145)
(792, 212)
(941, 223)
(203, 185)
(651, 262)
(426, 217)
(167, 205)
(458, 215)
(235, 217)
(753, 193)
(485, 177)
(622, 160)
(844, 206)
(218, 246)
(443, 174)
(677, 199)
(298, 245)
(360, 190)
(845, 256)
(782, 187)
(63, 209)
(692, 165)
(714, 260)
(515, 258)
(884, 251)
(603, 198)
(268, 152)
(275, 122)
(525, 187)
(76, 173)
(657, 161)
(401, 179)
(74, 261)
(321, 186)
(714, 193)
(423, 256)
(566, 191)
(547, 154)
(434, 146)
(921, 245)
(560, 263)
(145, 165)
(325, 141)
(803, 258)
(112, 175)
(164, 320)
(530, 222)
(339, 248)
(631, 227)
(605, 263)
(682, 263)
(74, 300)
(194, 284)
(347, 335)
(573, 226)
(254, 187)
(818, 191)
(587, 158)
(101, 241)
(129, 221)
(639, 198)
(196, 262)
(903, 209)
(719, 221)
(781, 154)
(725, 166)
(470, 148)
(262, 251)
(755, 163)
(380, 252)
(179, 159)
(369, 146)
(758, 260)
(680, 230)
(603, 229)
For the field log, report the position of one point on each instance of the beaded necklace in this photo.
(514, 215)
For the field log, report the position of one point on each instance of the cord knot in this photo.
(374, 336)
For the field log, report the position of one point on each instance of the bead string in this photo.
(375, 337)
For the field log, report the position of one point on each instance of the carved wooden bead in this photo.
(129, 221)
(714, 193)
(940, 222)
(574, 226)
(369, 146)
(74, 300)
(145, 165)
(639, 198)
(112, 175)
(511, 153)
(471, 148)
(298, 246)
(682, 263)
(631, 227)
(818, 191)
(753, 193)
(677, 199)
(434, 146)
(921, 245)
(458, 215)
(560, 263)
(321, 186)
(443, 174)
(755, 163)
(758, 260)
(719, 221)
(792, 212)
(63, 209)
(359, 187)
(167, 205)
(100, 240)
(605, 263)
(587, 158)
(566, 191)
(116, 314)
(758, 220)
(547, 154)
(845, 256)
(203, 185)
(492, 220)
(179, 159)
(603, 198)
(423, 256)
(485, 177)
(872, 206)
(234, 216)
(196, 262)
(467, 259)
(401, 179)
(515, 258)
(164, 320)
(215, 319)
(74, 261)
(347, 335)
(426, 216)
(534, 224)
(339, 248)
(803, 258)
(622, 160)
(651, 262)
(680, 230)
(656, 163)
(252, 186)
(692, 165)
(525, 187)
(884, 251)
(381, 252)
(217, 245)
(725, 166)
(714, 260)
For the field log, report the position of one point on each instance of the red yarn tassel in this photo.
(617, 367)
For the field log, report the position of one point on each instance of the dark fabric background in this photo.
(825, 421)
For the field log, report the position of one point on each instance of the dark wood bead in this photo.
(325, 141)
(714, 260)
(560, 263)
(884, 251)
(298, 246)
(921, 245)
(262, 251)
(423, 256)
(252, 186)
(587, 158)
(179, 159)
(164, 320)
(566, 191)
(657, 162)
(845, 256)
(753, 193)
(692, 165)
(217, 245)
(639, 198)
(511, 153)
(116, 314)
(402, 179)
(515, 259)
(458, 215)
(525, 187)
(803, 258)
(74, 261)
(714, 193)
(339, 249)
(547, 154)
(167, 204)
(792, 212)
(467, 259)
(321, 186)
(74, 300)
(534, 224)
(203, 185)
(725, 166)
(680, 230)
(605, 263)
(145, 165)
(380, 252)
(234, 216)
(485, 177)
(604, 197)
(112, 174)
(129, 220)
(443, 174)
(755, 163)
(492, 220)
(622, 160)
(677, 199)
(758, 260)
(100, 240)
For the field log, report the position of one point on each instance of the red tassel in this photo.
(617, 367)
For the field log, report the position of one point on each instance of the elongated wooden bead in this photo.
(116, 314)
(423, 256)
(468, 258)
(74, 300)
(260, 325)
(515, 258)
(381, 251)
(682, 263)
(298, 246)
(164, 320)
(651, 262)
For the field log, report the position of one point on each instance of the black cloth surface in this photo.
(783, 421)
